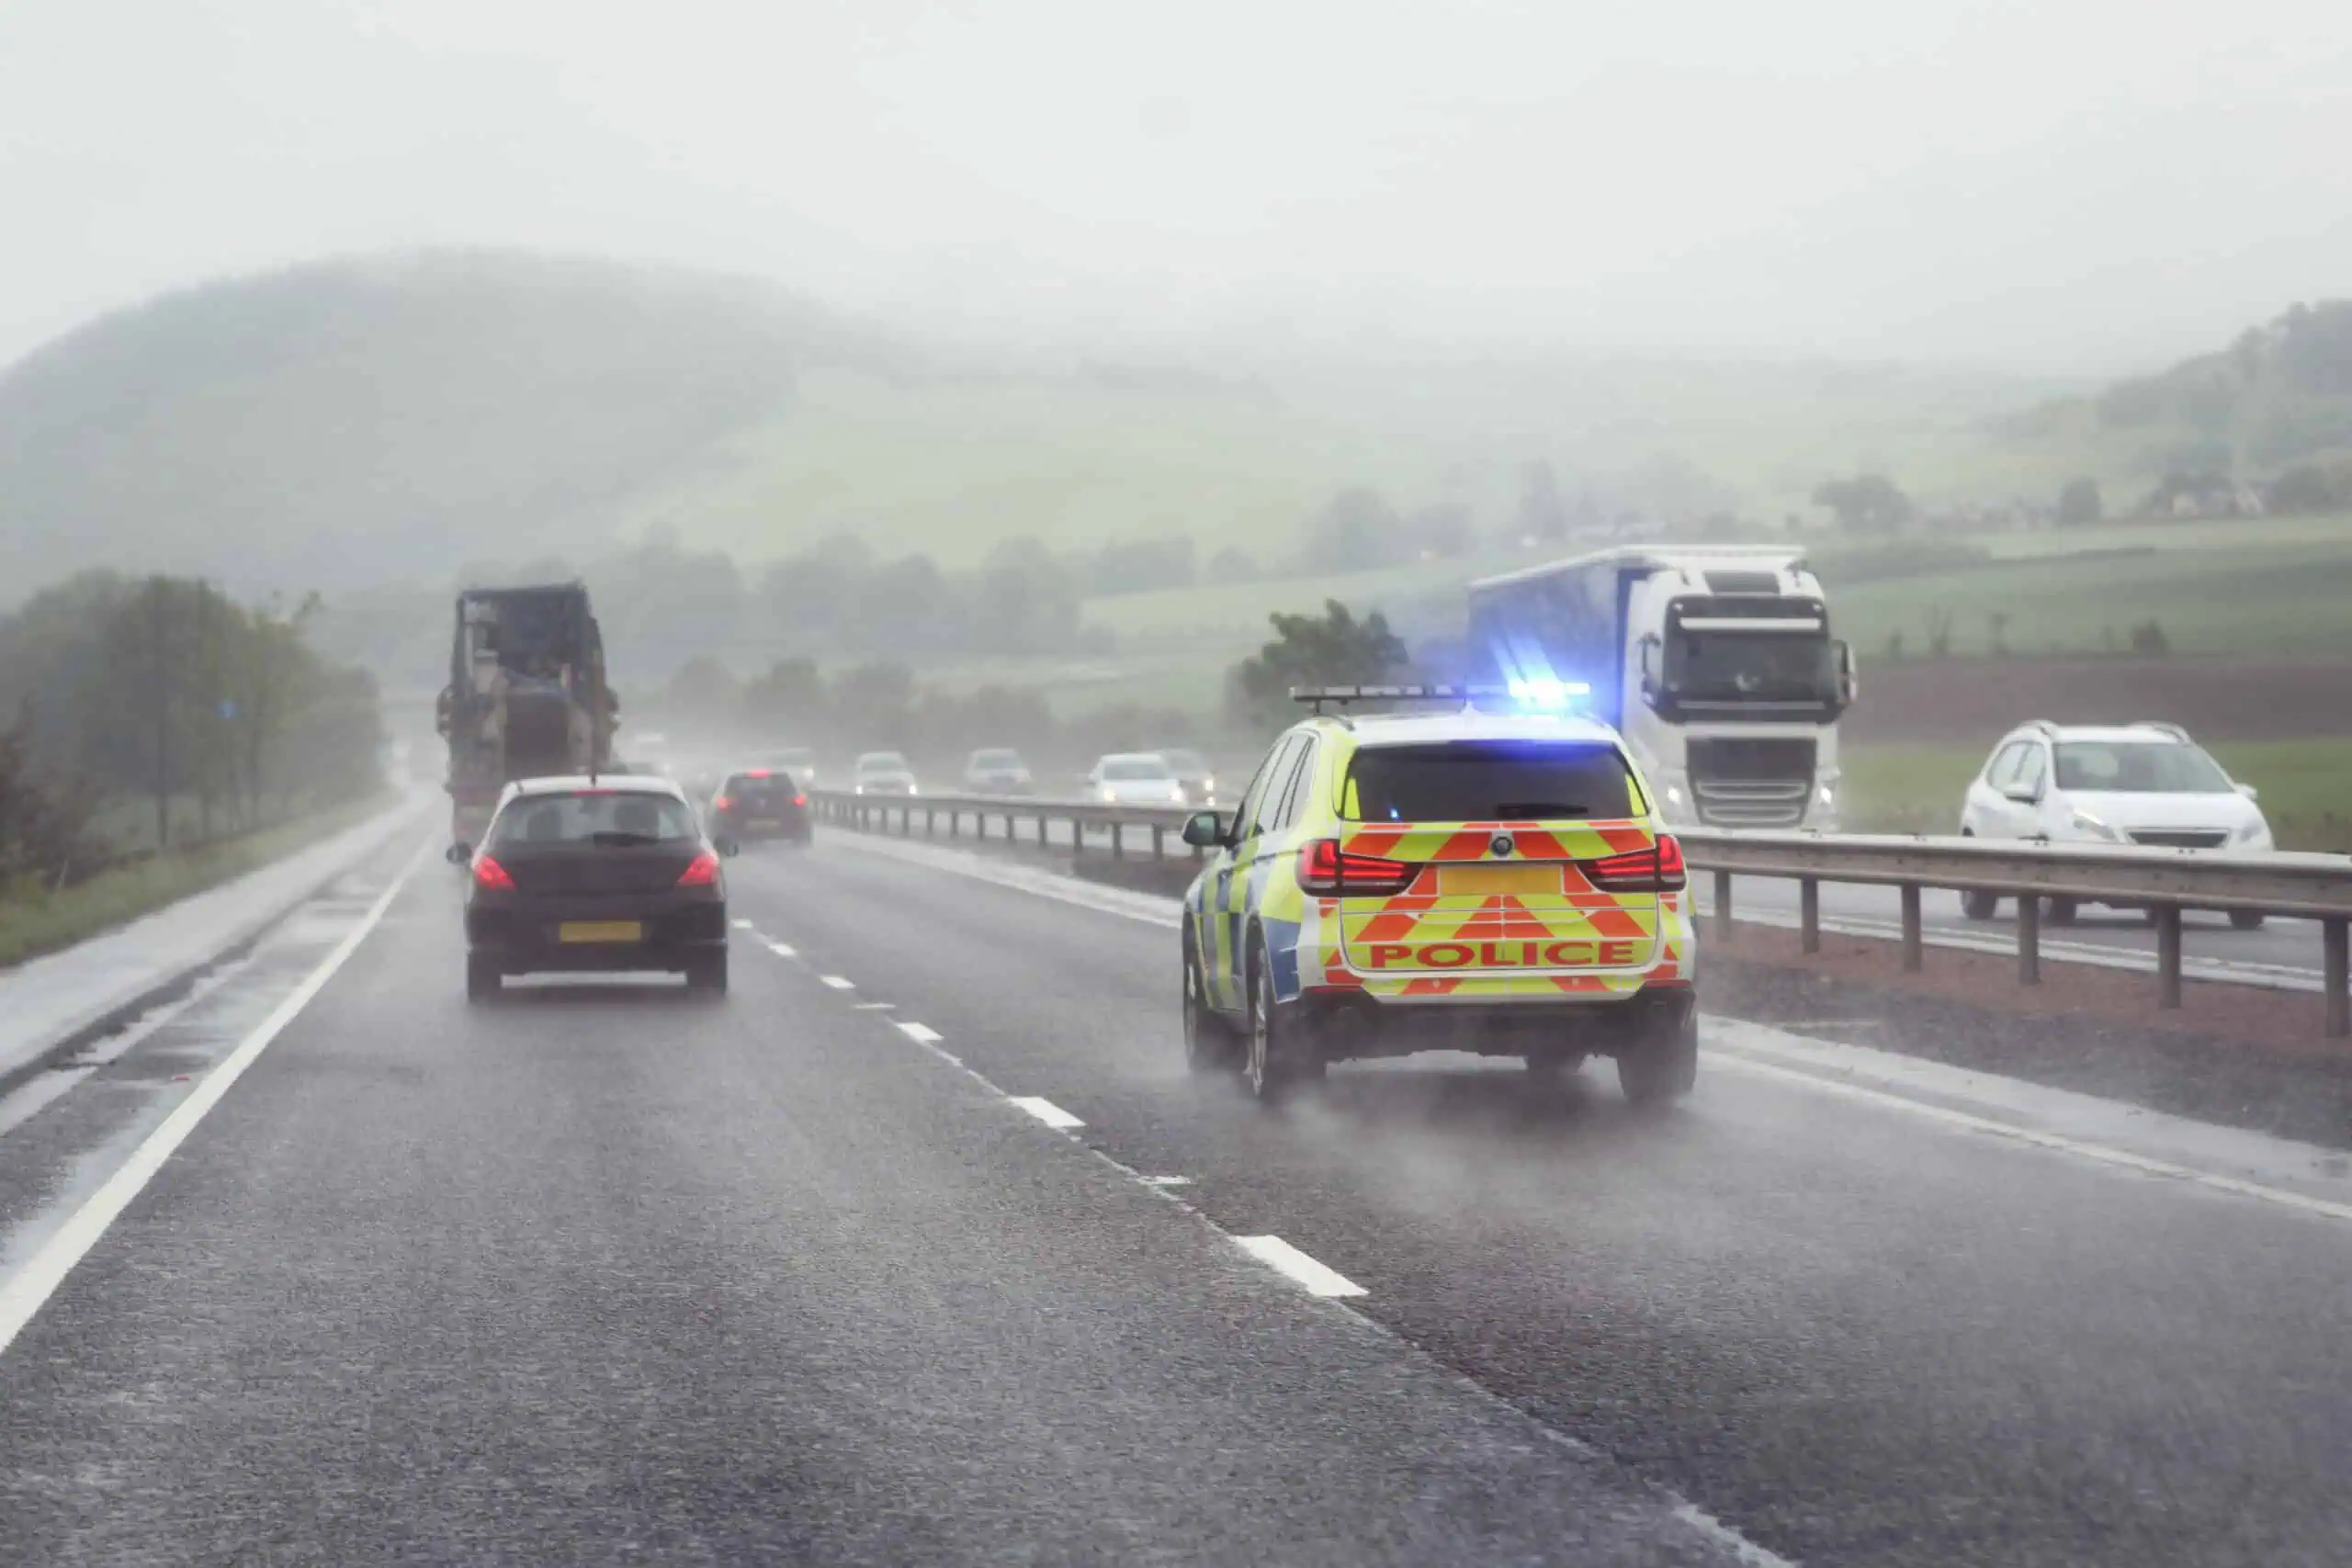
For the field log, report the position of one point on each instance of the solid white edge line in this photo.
(838, 983)
(1281, 1255)
(921, 1033)
(1045, 1110)
(25, 1292)
(2101, 1153)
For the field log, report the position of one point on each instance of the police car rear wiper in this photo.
(1539, 808)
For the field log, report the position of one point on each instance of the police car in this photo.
(1480, 879)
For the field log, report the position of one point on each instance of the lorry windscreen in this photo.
(1758, 666)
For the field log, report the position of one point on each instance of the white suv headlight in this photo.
(2087, 822)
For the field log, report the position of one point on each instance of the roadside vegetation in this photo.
(163, 736)
(37, 917)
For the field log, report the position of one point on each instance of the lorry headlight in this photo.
(1674, 795)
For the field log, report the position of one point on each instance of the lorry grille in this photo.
(1742, 783)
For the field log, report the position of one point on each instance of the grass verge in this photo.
(36, 920)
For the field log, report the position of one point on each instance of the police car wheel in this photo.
(1664, 1067)
(1210, 1045)
(1271, 1063)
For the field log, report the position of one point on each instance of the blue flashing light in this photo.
(1546, 694)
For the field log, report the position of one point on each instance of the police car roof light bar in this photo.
(1517, 690)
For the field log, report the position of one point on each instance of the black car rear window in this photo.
(1487, 781)
(593, 819)
(758, 795)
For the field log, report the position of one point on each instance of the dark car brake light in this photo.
(724, 803)
(1658, 869)
(800, 800)
(1326, 870)
(701, 872)
(491, 876)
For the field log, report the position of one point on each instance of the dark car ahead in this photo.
(601, 875)
(761, 803)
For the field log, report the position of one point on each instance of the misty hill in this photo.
(2278, 399)
(348, 423)
(340, 422)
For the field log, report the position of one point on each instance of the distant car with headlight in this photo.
(882, 772)
(1193, 771)
(1498, 882)
(2132, 783)
(1133, 778)
(596, 875)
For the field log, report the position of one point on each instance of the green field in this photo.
(2306, 788)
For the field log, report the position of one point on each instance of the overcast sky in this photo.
(2070, 185)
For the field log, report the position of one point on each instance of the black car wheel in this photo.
(2247, 920)
(1665, 1067)
(485, 979)
(1274, 1061)
(2063, 911)
(1210, 1045)
(707, 974)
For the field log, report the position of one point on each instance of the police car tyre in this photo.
(1663, 1068)
(1273, 1064)
(1211, 1043)
(706, 976)
(484, 980)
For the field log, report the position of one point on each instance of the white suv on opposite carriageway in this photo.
(2132, 783)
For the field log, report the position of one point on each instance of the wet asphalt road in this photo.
(600, 1275)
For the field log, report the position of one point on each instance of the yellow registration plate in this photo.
(601, 931)
(1485, 881)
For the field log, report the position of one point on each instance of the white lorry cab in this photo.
(1714, 662)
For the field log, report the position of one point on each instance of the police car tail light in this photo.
(1326, 870)
(701, 872)
(1658, 869)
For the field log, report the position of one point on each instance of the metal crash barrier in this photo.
(2163, 880)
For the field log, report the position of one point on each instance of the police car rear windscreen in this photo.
(1489, 780)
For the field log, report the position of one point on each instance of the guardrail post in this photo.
(1077, 838)
(2333, 978)
(1118, 839)
(1809, 913)
(931, 821)
(2167, 955)
(2029, 939)
(1914, 939)
(1722, 906)
(1043, 823)
(1158, 841)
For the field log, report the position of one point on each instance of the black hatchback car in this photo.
(761, 803)
(605, 874)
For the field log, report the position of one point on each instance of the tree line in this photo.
(218, 715)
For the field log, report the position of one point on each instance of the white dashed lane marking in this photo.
(921, 1033)
(781, 951)
(837, 983)
(1045, 1110)
(1279, 1254)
